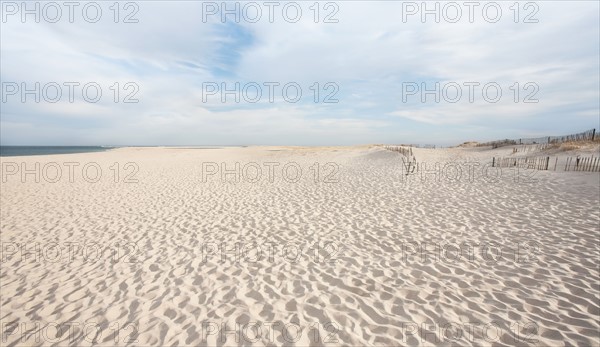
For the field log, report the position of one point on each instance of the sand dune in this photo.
(351, 251)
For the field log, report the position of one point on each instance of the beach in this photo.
(299, 246)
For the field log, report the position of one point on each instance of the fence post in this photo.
(593, 133)
(493, 161)
(570, 162)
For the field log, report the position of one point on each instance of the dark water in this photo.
(12, 151)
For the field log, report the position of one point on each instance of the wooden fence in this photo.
(587, 164)
(583, 164)
(588, 135)
(406, 151)
(425, 146)
(529, 148)
(536, 163)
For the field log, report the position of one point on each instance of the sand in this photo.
(352, 251)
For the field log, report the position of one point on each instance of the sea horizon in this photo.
(29, 150)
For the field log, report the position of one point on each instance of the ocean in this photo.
(12, 151)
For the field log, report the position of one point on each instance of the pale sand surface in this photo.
(542, 290)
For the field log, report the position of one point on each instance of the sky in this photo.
(303, 73)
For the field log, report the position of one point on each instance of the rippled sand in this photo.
(351, 251)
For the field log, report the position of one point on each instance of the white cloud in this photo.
(368, 53)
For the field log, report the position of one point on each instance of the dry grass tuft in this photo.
(570, 146)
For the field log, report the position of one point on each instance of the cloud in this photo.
(171, 53)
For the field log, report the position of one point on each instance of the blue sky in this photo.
(367, 55)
